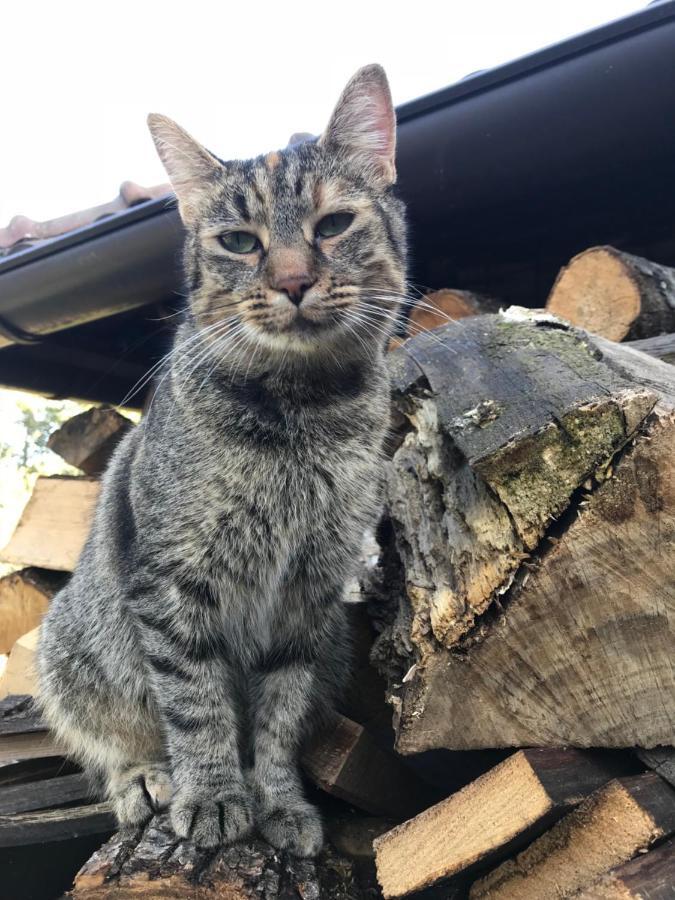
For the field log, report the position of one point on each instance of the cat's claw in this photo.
(139, 793)
(208, 822)
(297, 830)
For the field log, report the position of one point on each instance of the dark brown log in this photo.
(615, 295)
(47, 826)
(532, 503)
(661, 760)
(650, 876)
(87, 440)
(490, 818)
(49, 793)
(153, 865)
(611, 827)
(347, 763)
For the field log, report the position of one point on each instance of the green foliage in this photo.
(34, 422)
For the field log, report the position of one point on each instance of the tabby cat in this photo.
(203, 632)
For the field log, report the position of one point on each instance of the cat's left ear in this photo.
(363, 123)
(192, 170)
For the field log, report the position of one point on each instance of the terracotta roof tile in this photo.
(22, 231)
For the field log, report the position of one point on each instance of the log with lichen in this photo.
(529, 565)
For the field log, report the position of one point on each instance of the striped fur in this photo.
(202, 634)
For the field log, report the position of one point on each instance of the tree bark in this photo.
(152, 864)
(532, 527)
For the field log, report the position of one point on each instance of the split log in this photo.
(532, 508)
(347, 763)
(610, 828)
(24, 599)
(55, 523)
(650, 876)
(19, 676)
(87, 440)
(615, 295)
(152, 864)
(489, 818)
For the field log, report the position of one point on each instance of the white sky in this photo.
(80, 77)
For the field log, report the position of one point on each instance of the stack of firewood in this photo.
(508, 728)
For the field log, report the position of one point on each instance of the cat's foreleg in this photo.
(195, 695)
(284, 703)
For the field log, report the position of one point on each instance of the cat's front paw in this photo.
(209, 820)
(297, 829)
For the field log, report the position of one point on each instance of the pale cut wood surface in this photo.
(19, 676)
(55, 523)
(498, 812)
(650, 876)
(611, 827)
(614, 294)
(24, 599)
(533, 509)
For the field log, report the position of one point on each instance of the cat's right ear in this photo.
(190, 167)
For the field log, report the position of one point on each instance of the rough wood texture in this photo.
(46, 826)
(662, 347)
(19, 676)
(489, 818)
(87, 440)
(533, 511)
(608, 829)
(153, 865)
(661, 760)
(50, 792)
(650, 876)
(347, 763)
(615, 295)
(24, 599)
(55, 523)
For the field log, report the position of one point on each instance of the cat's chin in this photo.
(302, 335)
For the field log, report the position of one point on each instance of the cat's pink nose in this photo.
(294, 285)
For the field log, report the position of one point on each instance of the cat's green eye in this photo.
(334, 223)
(239, 241)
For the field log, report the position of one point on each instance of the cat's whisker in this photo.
(165, 360)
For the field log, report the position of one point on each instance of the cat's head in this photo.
(302, 249)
